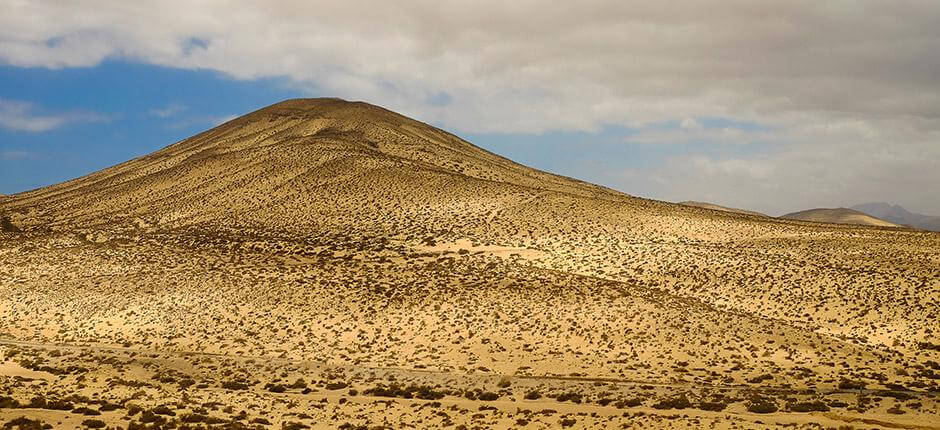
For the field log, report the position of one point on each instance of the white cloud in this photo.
(699, 134)
(523, 66)
(826, 164)
(168, 110)
(23, 116)
(15, 155)
(690, 124)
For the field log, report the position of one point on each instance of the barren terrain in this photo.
(328, 264)
(839, 216)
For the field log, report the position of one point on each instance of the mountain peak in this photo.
(326, 107)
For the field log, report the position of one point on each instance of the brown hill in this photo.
(839, 216)
(286, 167)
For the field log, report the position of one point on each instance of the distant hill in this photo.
(713, 206)
(899, 215)
(839, 216)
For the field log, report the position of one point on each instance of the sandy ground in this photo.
(322, 264)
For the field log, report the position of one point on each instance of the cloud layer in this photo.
(846, 94)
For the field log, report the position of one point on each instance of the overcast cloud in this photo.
(845, 96)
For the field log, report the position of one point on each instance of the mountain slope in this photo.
(713, 206)
(838, 216)
(898, 215)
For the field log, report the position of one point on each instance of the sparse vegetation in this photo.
(354, 285)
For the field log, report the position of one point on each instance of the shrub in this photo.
(234, 385)
(900, 395)
(929, 346)
(488, 396)
(150, 417)
(106, 407)
(23, 423)
(847, 384)
(276, 388)
(712, 406)
(812, 406)
(38, 402)
(629, 403)
(163, 410)
(533, 395)
(412, 391)
(574, 397)
(6, 225)
(678, 402)
(761, 405)
(194, 418)
(760, 379)
(85, 411)
(95, 424)
(427, 393)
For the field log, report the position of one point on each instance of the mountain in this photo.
(294, 166)
(334, 264)
(838, 216)
(899, 215)
(713, 206)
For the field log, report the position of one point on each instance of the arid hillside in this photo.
(706, 205)
(329, 264)
(838, 216)
(282, 166)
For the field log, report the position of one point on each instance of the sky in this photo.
(770, 106)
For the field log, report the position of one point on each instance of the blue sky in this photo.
(790, 106)
(119, 110)
(122, 110)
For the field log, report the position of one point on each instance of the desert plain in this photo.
(329, 264)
